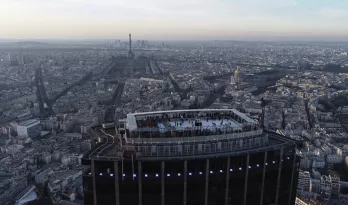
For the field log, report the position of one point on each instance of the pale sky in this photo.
(174, 19)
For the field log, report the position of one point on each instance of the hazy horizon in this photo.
(267, 20)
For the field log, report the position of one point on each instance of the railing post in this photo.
(227, 181)
(206, 182)
(280, 164)
(93, 182)
(117, 186)
(185, 182)
(246, 180)
(263, 177)
(292, 175)
(140, 185)
(162, 183)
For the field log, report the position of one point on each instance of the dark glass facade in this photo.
(264, 177)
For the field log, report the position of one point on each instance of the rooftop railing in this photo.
(214, 147)
(230, 127)
(194, 139)
(199, 148)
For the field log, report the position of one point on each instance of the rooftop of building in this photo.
(179, 120)
(190, 150)
(183, 126)
(28, 123)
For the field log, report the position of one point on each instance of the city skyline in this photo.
(179, 20)
(133, 119)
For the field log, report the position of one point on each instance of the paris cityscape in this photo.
(56, 100)
(187, 102)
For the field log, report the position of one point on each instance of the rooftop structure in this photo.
(300, 202)
(186, 133)
(205, 122)
(304, 183)
(30, 128)
(26, 195)
(329, 187)
(29, 123)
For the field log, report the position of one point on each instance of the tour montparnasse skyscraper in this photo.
(191, 157)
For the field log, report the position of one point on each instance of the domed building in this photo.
(237, 77)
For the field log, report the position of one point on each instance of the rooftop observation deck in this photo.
(193, 150)
(188, 126)
(188, 134)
